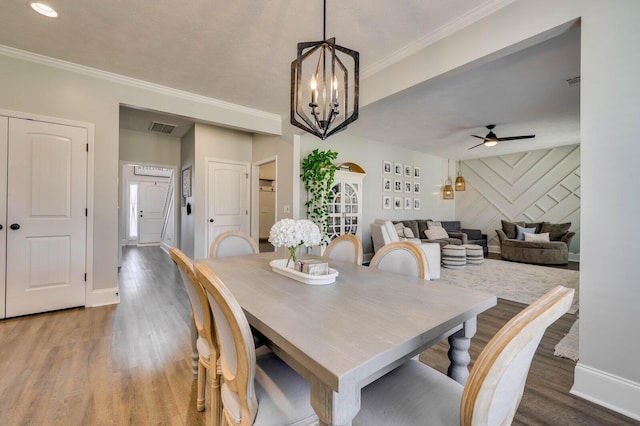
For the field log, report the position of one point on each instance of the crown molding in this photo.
(438, 34)
(133, 82)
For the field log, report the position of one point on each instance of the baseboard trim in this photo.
(610, 391)
(108, 296)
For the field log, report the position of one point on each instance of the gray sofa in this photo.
(457, 235)
(553, 252)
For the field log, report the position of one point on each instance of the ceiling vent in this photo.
(164, 128)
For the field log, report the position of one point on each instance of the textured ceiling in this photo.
(240, 52)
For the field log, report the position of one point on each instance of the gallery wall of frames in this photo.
(400, 186)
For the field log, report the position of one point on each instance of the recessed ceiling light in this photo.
(43, 9)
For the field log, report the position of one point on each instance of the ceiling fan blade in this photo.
(475, 146)
(513, 138)
(479, 137)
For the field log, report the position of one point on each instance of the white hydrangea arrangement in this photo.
(292, 234)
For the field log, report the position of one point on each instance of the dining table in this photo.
(344, 335)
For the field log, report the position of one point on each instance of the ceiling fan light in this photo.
(490, 143)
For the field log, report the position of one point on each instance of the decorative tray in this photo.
(279, 266)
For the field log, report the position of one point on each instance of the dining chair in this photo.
(403, 258)
(257, 387)
(416, 394)
(347, 247)
(208, 353)
(232, 243)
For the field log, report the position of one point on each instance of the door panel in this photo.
(152, 198)
(46, 198)
(4, 129)
(227, 199)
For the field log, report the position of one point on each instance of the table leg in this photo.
(333, 408)
(459, 343)
(194, 347)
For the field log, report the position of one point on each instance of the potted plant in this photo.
(318, 172)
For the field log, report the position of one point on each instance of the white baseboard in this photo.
(108, 296)
(610, 391)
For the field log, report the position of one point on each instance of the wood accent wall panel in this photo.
(535, 186)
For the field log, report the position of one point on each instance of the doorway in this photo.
(264, 196)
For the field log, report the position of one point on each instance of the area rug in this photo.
(568, 346)
(518, 282)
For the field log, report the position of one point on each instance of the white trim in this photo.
(107, 296)
(607, 390)
(90, 127)
(438, 34)
(128, 81)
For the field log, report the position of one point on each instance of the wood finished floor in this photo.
(130, 364)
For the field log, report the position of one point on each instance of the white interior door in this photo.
(4, 129)
(228, 199)
(152, 197)
(46, 217)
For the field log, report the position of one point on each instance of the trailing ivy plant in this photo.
(318, 172)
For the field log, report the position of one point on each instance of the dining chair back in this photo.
(346, 247)
(232, 243)
(401, 257)
(206, 343)
(282, 395)
(415, 393)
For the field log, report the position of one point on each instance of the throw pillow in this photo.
(542, 238)
(431, 223)
(408, 233)
(399, 229)
(436, 233)
(520, 231)
(509, 229)
(556, 230)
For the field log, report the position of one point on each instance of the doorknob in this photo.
(14, 226)
(211, 220)
(0, 227)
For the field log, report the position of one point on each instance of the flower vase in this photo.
(293, 257)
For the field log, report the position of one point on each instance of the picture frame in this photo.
(386, 167)
(408, 203)
(407, 170)
(416, 172)
(407, 187)
(397, 169)
(386, 202)
(397, 185)
(397, 203)
(386, 184)
(186, 182)
(416, 187)
(416, 203)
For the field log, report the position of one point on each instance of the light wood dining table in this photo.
(344, 335)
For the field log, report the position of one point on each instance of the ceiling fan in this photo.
(491, 139)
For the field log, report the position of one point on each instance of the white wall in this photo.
(187, 221)
(535, 186)
(213, 143)
(370, 155)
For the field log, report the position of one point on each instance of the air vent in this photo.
(162, 127)
(573, 81)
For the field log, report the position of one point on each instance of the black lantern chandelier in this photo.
(321, 87)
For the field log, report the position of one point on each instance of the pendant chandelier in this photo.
(460, 184)
(447, 191)
(322, 87)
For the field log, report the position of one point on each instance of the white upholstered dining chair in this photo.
(346, 247)
(232, 243)
(257, 387)
(415, 394)
(403, 258)
(208, 353)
